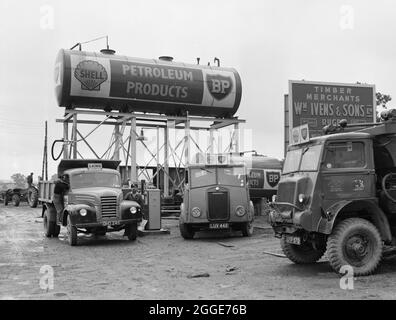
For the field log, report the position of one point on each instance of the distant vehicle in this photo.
(94, 202)
(216, 198)
(18, 195)
(338, 193)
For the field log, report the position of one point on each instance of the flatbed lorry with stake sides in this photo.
(337, 193)
(93, 203)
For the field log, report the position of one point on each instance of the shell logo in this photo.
(91, 74)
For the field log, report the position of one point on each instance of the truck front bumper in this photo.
(107, 223)
(289, 221)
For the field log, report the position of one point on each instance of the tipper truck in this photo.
(92, 201)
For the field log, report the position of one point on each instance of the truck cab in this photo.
(216, 197)
(92, 203)
(338, 193)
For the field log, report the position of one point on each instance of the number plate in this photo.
(218, 226)
(293, 240)
(110, 223)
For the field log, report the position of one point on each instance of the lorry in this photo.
(337, 193)
(216, 197)
(94, 202)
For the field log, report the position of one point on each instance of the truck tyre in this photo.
(355, 242)
(301, 254)
(6, 200)
(56, 230)
(186, 231)
(247, 229)
(48, 226)
(32, 197)
(16, 199)
(71, 232)
(131, 231)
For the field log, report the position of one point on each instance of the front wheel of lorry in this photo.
(301, 254)
(357, 243)
(131, 231)
(186, 231)
(71, 232)
(247, 229)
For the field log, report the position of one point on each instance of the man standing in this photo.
(29, 179)
(61, 187)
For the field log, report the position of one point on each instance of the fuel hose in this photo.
(52, 149)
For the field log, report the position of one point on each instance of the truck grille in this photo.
(109, 206)
(286, 191)
(218, 205)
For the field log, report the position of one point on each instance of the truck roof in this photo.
(83, 163)
(232, 165)
(343, 135)
(358, 131)
(83, 170)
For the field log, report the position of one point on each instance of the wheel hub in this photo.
(357, 247)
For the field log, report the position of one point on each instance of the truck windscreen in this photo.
(95, 179)
(231, 176)
(303, 159)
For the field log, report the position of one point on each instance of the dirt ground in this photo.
(163, 266)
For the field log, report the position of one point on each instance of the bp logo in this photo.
(219, 86)
(272, 178)
(91, 74)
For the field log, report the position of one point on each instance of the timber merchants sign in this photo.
(322, 103)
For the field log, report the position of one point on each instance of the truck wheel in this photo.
(301, 254)
(131, 231)
(48, 226)
(56, 230)
(32, 197)
(16, 199)
(71, 232)
(247, 229)
(355, 242)
(186, 231)
(6, 200)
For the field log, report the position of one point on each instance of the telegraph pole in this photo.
(45, 156)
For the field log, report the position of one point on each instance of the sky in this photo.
(267, 42)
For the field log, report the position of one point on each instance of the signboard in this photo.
(263, 179)
(318, 104)
(94, 166)
(217, 159)
(300, 134)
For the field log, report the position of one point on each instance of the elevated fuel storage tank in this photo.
(114, 82)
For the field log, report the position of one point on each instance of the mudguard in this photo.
(75, 217)
(182, 216)
(326, 223)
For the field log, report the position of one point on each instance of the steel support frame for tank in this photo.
(135, 120)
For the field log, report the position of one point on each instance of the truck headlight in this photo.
(83, 212)
(240, 211)
(133, 210)
(196, 212)
(302, 198)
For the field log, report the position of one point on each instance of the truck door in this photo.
(348, 171)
